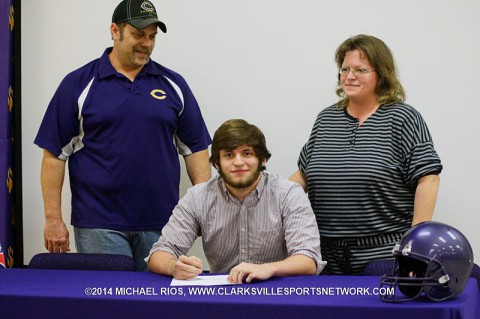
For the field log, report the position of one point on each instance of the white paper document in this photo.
(216, 280)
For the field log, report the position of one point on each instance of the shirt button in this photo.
(243, 250)
(243, 229)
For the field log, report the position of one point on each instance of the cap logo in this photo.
(147, 6)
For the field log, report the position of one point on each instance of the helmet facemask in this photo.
(415, 276)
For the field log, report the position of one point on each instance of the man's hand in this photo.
(186, 267)
(56, 236)
(251, 271)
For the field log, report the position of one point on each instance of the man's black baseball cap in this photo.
(139, 13)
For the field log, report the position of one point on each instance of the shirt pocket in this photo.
(267, 245)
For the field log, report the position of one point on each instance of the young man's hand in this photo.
(250, 271)
(186, 267)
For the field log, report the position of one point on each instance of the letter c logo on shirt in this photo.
(158, 94)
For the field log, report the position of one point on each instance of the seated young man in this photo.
(253, 225)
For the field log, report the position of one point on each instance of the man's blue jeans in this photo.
(136, 244)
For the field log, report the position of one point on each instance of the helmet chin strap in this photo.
(444, 279)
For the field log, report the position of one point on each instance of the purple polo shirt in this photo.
(122, 141)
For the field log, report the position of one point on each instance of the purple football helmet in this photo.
(431, 259)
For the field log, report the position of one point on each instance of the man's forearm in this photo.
(52, 176)
(296, 265)
(161, 263)
(198, 167)
(56, 236)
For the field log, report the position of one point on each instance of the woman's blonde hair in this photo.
(388, 90)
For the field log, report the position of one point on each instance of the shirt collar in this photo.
(106, 68)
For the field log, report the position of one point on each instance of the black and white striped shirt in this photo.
(362, 179)
(273, 222)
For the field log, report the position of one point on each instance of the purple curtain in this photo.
(7, 220)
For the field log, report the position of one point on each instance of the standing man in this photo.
(253, 225)
(120, 121)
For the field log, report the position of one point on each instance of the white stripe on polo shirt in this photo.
(76, 143)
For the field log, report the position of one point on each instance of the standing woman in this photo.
(369, 166)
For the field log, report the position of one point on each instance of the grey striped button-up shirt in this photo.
(274, 221)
